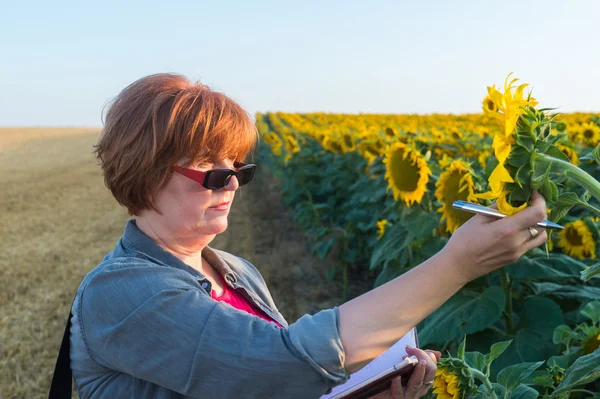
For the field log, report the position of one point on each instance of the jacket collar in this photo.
(134, 239)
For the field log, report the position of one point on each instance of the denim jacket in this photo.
(144, 326)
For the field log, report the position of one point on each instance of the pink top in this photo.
(235, 299)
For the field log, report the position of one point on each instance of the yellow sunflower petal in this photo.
(506, 208)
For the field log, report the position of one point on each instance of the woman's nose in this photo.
(232, 184)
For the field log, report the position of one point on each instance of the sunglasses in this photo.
(215, 179)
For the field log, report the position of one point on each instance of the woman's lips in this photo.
(221, 207)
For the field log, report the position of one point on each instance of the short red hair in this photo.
(160, 120)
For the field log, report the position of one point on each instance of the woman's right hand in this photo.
(484, 244)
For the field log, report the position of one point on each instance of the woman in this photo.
(166, 316)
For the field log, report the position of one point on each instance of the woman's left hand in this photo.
(424, 371)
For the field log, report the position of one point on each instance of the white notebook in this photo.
(388, 359)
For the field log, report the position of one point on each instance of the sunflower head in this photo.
(456, 183)
(577, 240)
(560, 126)
(570, 152)
(274, 141)
(407, 173)
(348, 143)
(489, 105)
(592, 341)
(453, 379)
(389, 133)
(333, 144)
(589, 134)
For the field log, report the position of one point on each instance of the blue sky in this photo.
(62, 61)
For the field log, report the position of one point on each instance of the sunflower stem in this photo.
(486, 381)
(571, 171)
(591, 208)
(506, 283)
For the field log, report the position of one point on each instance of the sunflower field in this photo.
(375, 193)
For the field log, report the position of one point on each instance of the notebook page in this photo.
(394, 355)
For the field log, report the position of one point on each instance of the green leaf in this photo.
(541, 315)
(563, 205)
(461, 349)
(557, 268)
(583, 371)
(476, 360)
(497, 349)
(595, 155)
(581, 293)
(525, 140)
(519, 156)
(562, 334)
(463, 314)
(524, 392)
(555, 152)
(323, 248)
(592, 311)
(331, 273)
(522, 175)
(389, 246)
(512, 376)
(590, 272)
(421, 223)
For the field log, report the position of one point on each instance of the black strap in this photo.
(62, 383)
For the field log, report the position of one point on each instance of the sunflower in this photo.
(390, 134)
(332, 144)
(371, 148)
(274, 141)
(348, 143)
(407, 173)
(381, 228)
(456, 183)
(510, 106)
(451, 381)
(291, 147)
(489, 105)
(577, 240)
(592, 340)
(588, 134)
(569, 152)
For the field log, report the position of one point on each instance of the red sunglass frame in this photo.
(203, 177)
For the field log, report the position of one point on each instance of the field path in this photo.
(58, 221)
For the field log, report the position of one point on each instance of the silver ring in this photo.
(533, 232)
(428, 383)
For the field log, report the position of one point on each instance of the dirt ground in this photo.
(58, 221)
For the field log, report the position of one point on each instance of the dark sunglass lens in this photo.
(218, 179)
(245, 175)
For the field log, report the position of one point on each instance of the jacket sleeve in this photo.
(157, 324)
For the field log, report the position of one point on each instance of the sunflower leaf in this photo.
(563, 205)
(496, 350)
(524, 392)
(581, 293)
(555, 152)
(590, 272)
(525, 140)
(592, 311)
(595, 155)
(463, 314)
(558, 268)
(512, 376)
(518, 157)
(583, 371)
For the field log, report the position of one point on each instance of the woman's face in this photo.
(189, 210)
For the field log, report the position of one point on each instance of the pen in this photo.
(476, 208)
